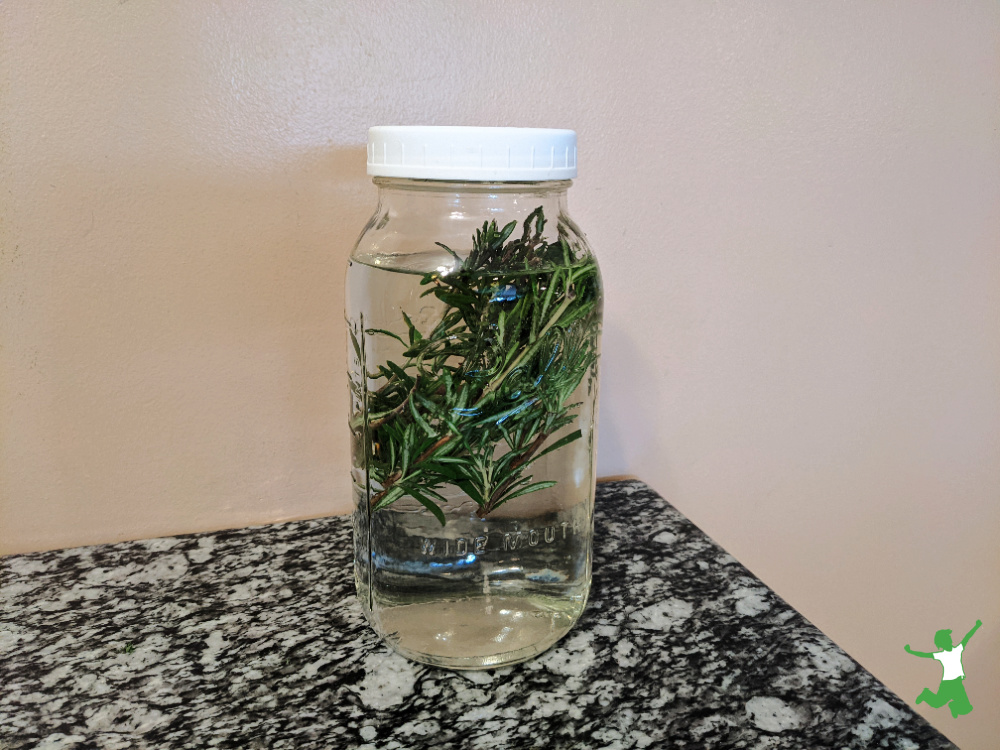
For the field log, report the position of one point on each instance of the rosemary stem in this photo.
(494, 384)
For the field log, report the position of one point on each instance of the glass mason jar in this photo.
(474, 309)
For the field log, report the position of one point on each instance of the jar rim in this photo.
(471, 186)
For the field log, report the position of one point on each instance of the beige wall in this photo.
(797, 208)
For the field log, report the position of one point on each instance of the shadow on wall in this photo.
(630, 393)
(179, 347)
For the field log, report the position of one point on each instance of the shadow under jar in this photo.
(474, 310)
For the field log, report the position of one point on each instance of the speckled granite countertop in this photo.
(253, 639)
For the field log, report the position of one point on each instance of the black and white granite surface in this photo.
(253, 639)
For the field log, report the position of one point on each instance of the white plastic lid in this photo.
(472, 154)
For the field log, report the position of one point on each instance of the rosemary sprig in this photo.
(480, 395)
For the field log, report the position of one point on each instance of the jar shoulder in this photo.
(427, 245)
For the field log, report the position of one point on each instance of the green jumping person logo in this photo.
(951, 689)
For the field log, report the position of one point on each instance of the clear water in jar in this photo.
(478, 591)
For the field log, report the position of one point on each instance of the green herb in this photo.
(518, 334)
(128, 648)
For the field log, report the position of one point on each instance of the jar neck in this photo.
(473, 201)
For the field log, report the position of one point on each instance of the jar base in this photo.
(483, 632)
